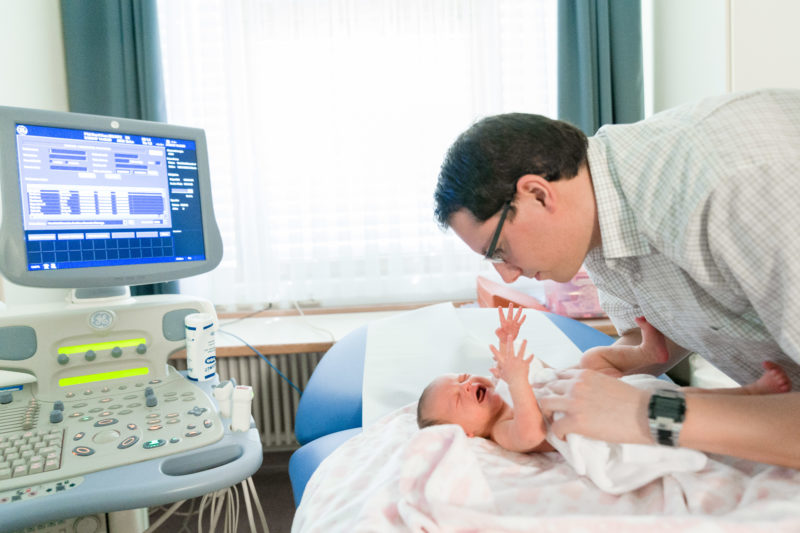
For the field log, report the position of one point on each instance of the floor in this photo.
(274, 492)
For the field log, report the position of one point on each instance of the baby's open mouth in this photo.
(480, 393)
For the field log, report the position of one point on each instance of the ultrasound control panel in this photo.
(85, 388)
(95, 428)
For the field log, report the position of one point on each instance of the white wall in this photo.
(707, 47)
(689, 50)
(32, 61)
(34, 75)
(765, 44)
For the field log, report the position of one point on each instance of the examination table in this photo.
(330, 409)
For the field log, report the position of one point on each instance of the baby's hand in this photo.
(509, 325)
(511, 367)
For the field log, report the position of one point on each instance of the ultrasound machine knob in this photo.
(151, 401)
(141, 349)
(56, 416)
(6, 397)
(90, 355)
(58, 405)
(116, 351)
(148, 391)
(63, 359)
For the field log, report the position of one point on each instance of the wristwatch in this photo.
(666, 412)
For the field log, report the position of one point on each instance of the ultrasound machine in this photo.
(92, 418)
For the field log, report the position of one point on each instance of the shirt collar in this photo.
(618, 229)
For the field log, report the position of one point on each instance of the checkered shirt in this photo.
(699, 216)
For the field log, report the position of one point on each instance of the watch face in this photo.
(668, 406)
(666, 412)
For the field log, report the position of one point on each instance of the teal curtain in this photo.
(113, 60)
(600, 78)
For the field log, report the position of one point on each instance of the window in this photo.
(327, 121)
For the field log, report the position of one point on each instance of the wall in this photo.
(32, 61)
(34, 75)
(689, 50)
(765, 44)
(702, 48)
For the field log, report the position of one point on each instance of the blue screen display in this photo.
(95, 199)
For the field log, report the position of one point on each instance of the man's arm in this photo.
(756, 427)
(644, 350)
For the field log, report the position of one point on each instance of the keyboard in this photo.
(30, 452)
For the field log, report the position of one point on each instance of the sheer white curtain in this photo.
(327, 121)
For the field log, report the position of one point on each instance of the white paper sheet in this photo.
(405, 352)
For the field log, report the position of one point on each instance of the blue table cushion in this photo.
(305, 460)
(331, 401)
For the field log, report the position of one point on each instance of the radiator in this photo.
(274, 401)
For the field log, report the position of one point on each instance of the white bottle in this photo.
(223, 393)
(201, 346)
(242, 400)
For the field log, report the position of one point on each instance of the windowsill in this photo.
(290, 334)
(279, 332)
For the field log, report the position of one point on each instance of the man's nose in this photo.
(507, 272)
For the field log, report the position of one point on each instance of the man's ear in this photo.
(536, 188)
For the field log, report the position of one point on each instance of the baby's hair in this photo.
(424, 421)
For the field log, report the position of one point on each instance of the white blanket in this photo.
(405, 353)
(394, 478)
(619, 468)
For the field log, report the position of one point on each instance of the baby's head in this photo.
(469, 401)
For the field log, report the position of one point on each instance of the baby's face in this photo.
(469, 401)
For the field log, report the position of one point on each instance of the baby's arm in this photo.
(525, 430)
(509, 325)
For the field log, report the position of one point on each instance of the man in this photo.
(690, 219)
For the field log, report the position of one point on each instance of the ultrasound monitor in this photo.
(92, 201)
(94, 204)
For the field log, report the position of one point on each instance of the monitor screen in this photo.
(94, 201)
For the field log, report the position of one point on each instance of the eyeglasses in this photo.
(491, 255)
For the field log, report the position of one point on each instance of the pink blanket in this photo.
(394, 477)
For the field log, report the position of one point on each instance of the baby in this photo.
(472, 402)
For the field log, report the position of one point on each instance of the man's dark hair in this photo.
(481, 168)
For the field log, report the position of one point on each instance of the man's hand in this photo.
(620, 359)
(595, 405)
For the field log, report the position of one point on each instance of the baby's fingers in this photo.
(521, 351)
(502, 316)
(495, 351)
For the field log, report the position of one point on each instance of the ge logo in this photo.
(22, 130)
(101, 319)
